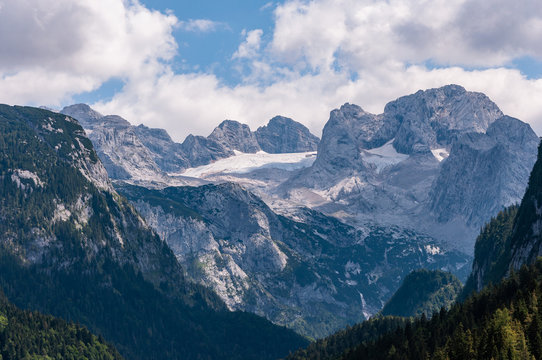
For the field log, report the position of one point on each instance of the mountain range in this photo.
(498, 314)
(444, 159)
(418, 180)
(166, 248)
(141, 153)
(313, 274)
(73, 247)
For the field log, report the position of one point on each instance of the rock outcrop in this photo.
(233, 135)
(284, 135)
(314, 274)
(443, 161)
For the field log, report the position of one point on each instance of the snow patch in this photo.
(384, 156)
(243, 163)
(440, 154)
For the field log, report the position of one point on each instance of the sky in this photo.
(185, 66)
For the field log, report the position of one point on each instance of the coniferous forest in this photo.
(500, 322)
(31, 335)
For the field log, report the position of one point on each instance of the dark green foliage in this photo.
(351, 337)
(500, 322)
(142, 322)
(108, 272)
(31, 335)
(511, 239)
(527, 236)
(489, 250)
(423, 292)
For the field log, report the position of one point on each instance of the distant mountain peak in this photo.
(235, 136)
(86, 115)
(284, 135)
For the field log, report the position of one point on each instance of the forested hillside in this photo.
(423, 292)
(72, 247)
(500, 322)
(31, 335)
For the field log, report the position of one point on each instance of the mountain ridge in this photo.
(159, 154)
(73, 247)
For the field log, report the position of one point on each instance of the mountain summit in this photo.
(444, 159)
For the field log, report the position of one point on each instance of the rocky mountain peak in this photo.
(435, 158)
(115, 121)
(154, 133)
(235, 136)
(83, 113)
(432, 118)
(284, 135)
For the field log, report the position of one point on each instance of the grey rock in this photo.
(86, 116)
(168, 155)
(431, 119)
(441, 161)
(315, 274)
(284, 135)
(200, 150)
(485, 172)
(233, 135)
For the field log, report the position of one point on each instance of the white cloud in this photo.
(197, 103)
(323, 53)
(78, 45)
(201, 25)
(364, 33)
(251, 46)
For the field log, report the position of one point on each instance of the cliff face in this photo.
(284, 135)
(442, 161)
(484, 172)
(512, 239)
(235, 136)
(314, 274)
(70, 245)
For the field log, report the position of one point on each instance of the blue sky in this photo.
(186, 66)
(212, 51)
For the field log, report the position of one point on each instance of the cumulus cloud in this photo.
(251, 46)
(362, 33)
(197, 103)
(201, 25)
(78, 45)
(319, 55)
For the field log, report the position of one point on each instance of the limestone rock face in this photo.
(233, 135)
(314, 274)
(433, 118)
(167, 154)
(148, 155)
(485, 172)
(441, 161)
(85, 115)
(284, 135)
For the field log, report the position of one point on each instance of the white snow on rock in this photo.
(383, 156)
(440, 154)
(243, 163)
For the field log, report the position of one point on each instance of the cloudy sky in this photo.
(187, 65)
